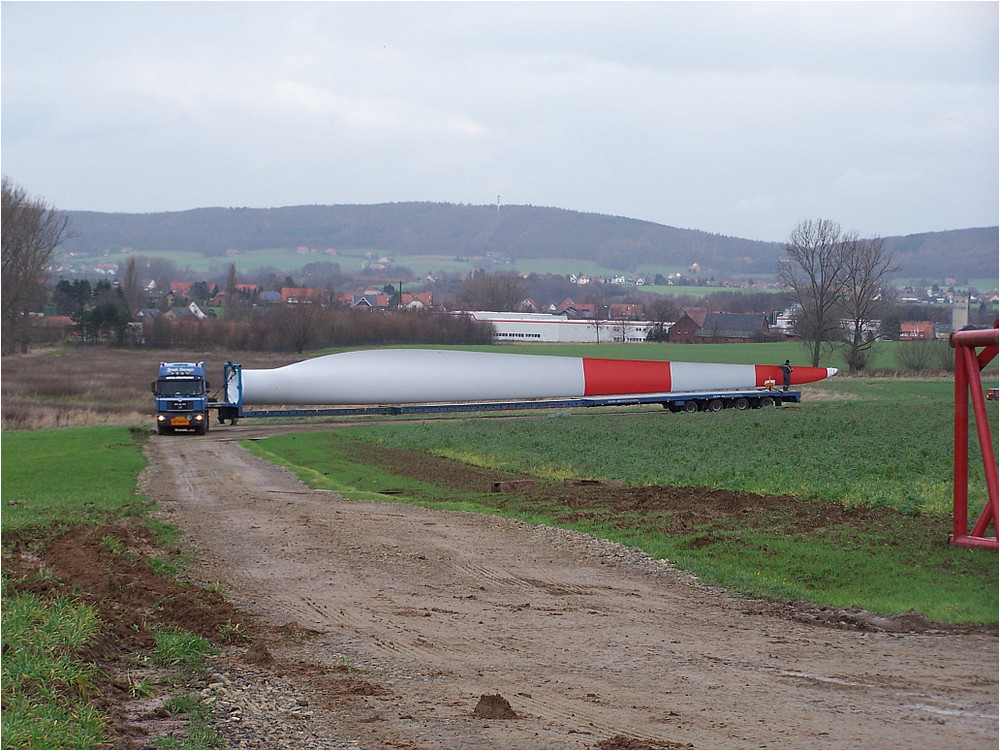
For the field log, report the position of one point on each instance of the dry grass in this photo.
(96, 385)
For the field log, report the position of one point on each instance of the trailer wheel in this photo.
(715, 405)
(767, 401)
(691, 406)
(742, 403)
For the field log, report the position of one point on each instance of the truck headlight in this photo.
(199, 418)
(161, 418)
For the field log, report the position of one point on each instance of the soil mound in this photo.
(494, 707)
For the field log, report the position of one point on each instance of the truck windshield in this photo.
(179, 388)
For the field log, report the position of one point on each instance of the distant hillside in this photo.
(516, 231)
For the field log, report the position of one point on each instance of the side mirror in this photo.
(152, 387)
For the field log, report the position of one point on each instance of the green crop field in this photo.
(53, 693)
(885, 357)
(884, 446)
(66, 476)
(55, 477)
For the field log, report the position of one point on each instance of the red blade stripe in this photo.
(604, 377)
(799, 374)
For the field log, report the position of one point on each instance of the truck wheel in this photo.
(742, 403)
(162, 429)
(690, 406)
(201, 429)
(715, 405)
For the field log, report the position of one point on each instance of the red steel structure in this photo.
(968, 364)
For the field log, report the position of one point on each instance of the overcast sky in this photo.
(734, 118)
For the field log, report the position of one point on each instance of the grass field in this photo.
(57, 477)
(828, 450)
(885, 356)
(55, 480)
(883, 446)
(69, 476)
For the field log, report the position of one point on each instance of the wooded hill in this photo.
(517, 232)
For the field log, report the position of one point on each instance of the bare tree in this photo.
(661, 311)
(234, 306)
(495, 291)
(31, 232)
(132, 287)
(813, 272)
(301, 324)
(621, 323)
(866, 264)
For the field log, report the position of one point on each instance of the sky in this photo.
(739, 119)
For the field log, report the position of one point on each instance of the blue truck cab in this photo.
(180, 390)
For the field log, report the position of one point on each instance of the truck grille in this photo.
(180, 405)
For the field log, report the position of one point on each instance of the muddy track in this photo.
(590, 645)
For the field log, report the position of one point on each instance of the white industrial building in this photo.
(546, 327)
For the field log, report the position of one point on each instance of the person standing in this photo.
(786, 372)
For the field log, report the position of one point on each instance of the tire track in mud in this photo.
(441, 607)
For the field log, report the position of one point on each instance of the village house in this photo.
(53, 329)
(911, 331)
(371, 301)
(416, 301)
(684, 329)
(191, 311)
(180, 290)
(699, 327)
(572, 309)
(294, 295)
(626, 311)
(247, 292)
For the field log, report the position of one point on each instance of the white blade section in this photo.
(697, 376)
(399, 376)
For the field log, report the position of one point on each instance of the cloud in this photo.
(739, 118)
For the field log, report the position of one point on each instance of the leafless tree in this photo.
(132, 287)
(493, 291)
(813, 272)
(621, 324)
(662, 311)
(866, 265)
(301, 324)
(31, 232)
(234, 303)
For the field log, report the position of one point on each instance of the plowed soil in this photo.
(461, 630)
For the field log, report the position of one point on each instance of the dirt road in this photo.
(591, 645)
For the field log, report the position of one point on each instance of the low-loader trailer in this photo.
(402, 382)
(703, 401)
